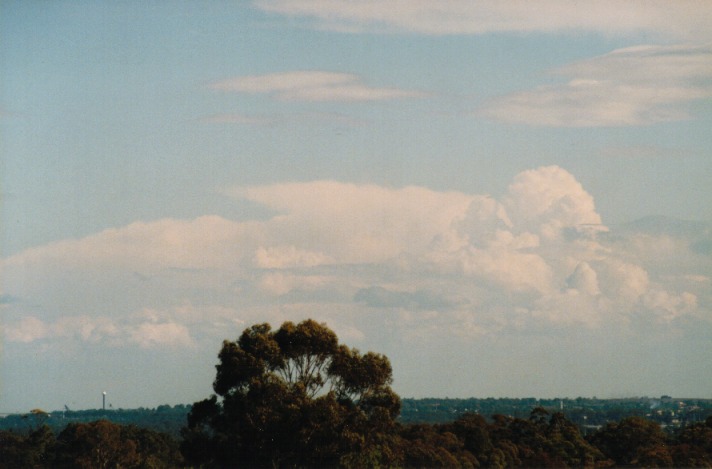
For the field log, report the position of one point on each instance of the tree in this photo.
(472, 429)
(31, 450)
(102, 444)
(294, 397)
(634, 441)
(95, 445)
(694, 445)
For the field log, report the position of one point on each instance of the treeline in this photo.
(551, 440)
(542, 440)
(99, 444)
(164, 418)
(296, 398)
(588, 413)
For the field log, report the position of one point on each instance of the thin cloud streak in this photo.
(286, 81)
(688, 20)
(312, 86)
(634, 86)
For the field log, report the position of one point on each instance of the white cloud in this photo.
(633, 86)
(287, 81)
(281, 257)
(509, 268)
(27, 330)
(531, 240)
(352, 223)
(83, 328)
(682, 19)
(623, 281)
(87, 329)
(684, 63)
(279, 283)
(360, 256)
(207, 241)
(312, 86)
(353, 92)
(485, 220)
(102, 330)
(164, 334)
(669, 306)
(548, 200)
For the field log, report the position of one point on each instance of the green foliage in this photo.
(106, 444)
(98, 444)
(294, 397)
(95, 444)
(634, 441)
(31, 450)
(694, 448)
(544, 439)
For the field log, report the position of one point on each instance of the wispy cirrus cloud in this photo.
(690, 19)
(633, 86)
(312, 86)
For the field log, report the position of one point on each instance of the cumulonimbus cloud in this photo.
(538, 253)
(312, 85)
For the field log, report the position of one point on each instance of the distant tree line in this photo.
(542, 440)
(164, 418)
(99, 444)
(587, 413)
(294, 397)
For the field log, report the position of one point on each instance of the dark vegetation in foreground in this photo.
(295, 397)
(541, 440)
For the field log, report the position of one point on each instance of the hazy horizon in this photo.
(504, 200)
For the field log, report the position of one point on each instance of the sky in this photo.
(507, 199)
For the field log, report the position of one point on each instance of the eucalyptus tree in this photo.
(295, 397)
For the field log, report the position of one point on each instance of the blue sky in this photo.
(505, 200)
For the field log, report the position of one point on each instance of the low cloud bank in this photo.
(541, 251)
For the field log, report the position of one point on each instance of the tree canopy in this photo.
(294, 397)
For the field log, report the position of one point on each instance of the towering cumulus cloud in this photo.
(543, 238)
(548, 201)
(409, 262)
